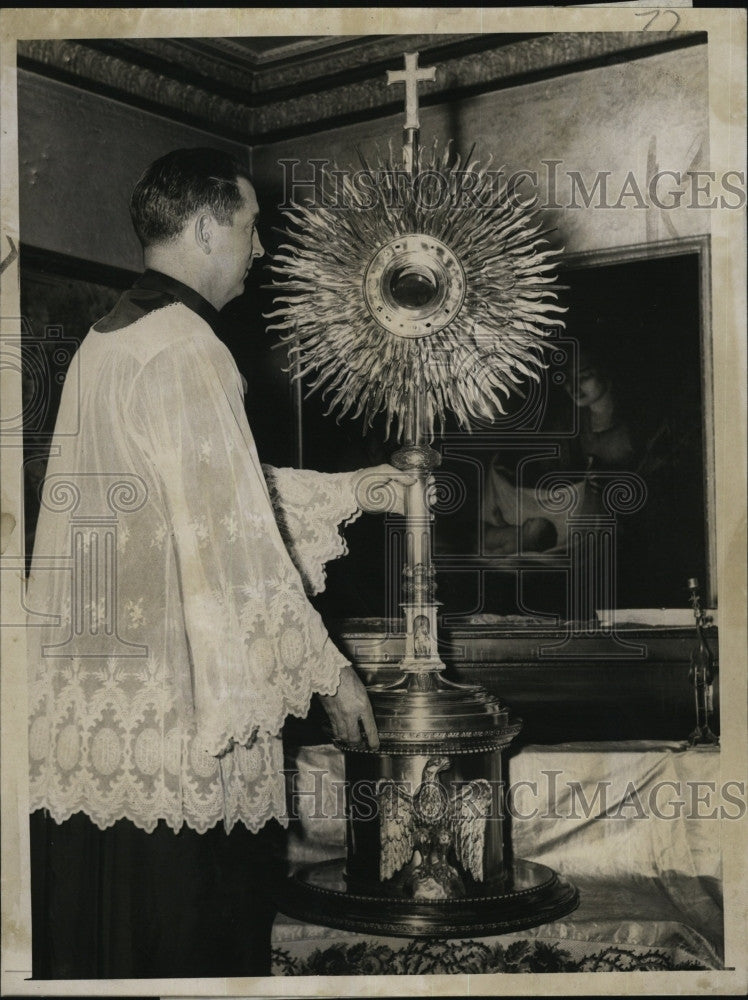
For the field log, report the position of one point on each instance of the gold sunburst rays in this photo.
(442, 286)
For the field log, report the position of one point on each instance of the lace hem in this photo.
(139, 765)
(63, 813)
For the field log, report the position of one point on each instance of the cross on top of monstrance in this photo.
(411, 76)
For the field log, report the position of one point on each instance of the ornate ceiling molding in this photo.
(208, 83)
(79, 64)
(368, 54)
(230, 62)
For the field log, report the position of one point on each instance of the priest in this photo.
(170, 629)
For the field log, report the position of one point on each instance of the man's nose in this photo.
(258, 250)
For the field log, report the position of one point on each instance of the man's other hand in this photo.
(349, 710)
(381, 489)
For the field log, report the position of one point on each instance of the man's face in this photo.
(237, 245)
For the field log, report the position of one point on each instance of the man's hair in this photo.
(181, 184)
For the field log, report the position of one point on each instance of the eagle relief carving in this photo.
(419, 830)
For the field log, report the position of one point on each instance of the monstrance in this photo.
(415, 286)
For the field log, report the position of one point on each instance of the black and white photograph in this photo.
(373, 501)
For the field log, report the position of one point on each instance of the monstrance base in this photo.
(530, 894)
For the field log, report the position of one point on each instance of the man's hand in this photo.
(350, 710)
(381, 488)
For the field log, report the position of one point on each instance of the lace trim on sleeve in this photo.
(310, 507)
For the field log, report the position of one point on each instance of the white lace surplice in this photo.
(184, 636)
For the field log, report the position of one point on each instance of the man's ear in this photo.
(204, 231)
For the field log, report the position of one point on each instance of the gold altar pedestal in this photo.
(424, 822)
